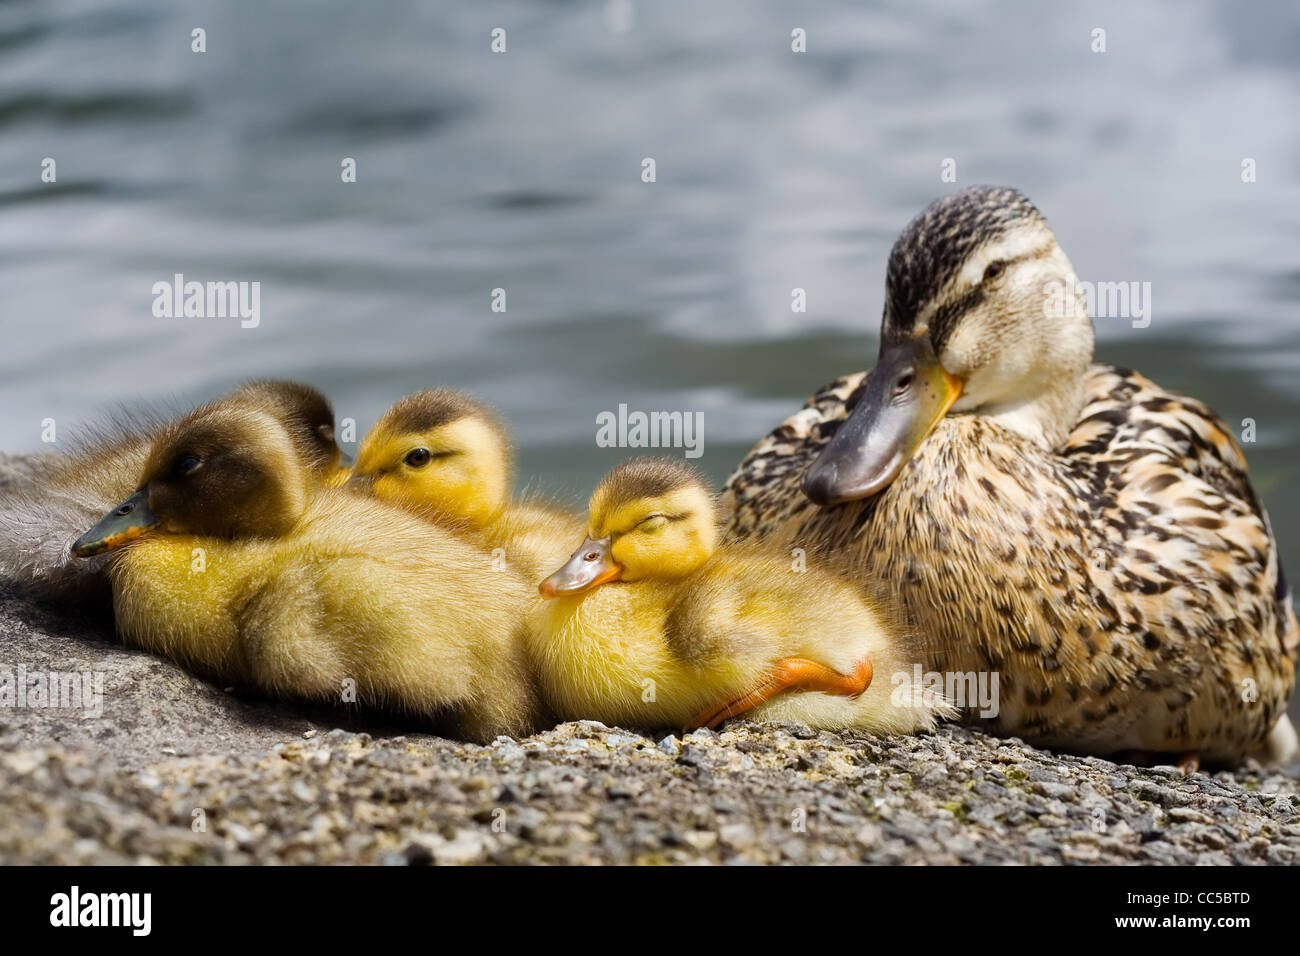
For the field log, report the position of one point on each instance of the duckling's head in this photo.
(305, 413)
(983, 314)
(438, 452)
(649, 518)
(225, 470)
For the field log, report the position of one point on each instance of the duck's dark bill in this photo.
(124, 523)
(907, 393)
(590, 566)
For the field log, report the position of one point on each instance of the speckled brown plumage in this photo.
(1125, 586)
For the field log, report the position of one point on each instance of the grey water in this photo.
(522, 171)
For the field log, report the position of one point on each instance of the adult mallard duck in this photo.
(1085, 534)
(650, 623)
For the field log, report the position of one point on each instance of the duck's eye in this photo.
(652, 524)
(188, 464)
(418, 458)
(591, 556)
(994, 269)
(904, 382)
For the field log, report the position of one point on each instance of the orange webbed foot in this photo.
(790, 673)
(1189, 762)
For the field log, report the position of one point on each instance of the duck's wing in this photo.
(1175, 451)
(763, 493)
(1125, 412)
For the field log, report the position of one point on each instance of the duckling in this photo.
(1089, 535)
(445, 456)
(232, 560)
(40, 515)
(649, 623)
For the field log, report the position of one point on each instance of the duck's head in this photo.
(649, 518)
(982, 315)
(305, 413)
(438, 452)
(225, 470)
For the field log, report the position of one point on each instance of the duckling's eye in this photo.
(652, 524)
(188, 464)
(994, 269)
(418, 458)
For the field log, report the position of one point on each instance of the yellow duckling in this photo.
(40, 516)
(650, 623)
(236, 562)
(443, 455)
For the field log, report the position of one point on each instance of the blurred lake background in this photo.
(522, 171)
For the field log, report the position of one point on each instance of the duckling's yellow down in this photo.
(332, 598)
(656, 653)
(683, 628)
(358, 602)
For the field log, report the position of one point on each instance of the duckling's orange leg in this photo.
(790, 673)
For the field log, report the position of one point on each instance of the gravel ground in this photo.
(176, 770)
(586, 793)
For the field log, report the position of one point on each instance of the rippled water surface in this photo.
(522, 171)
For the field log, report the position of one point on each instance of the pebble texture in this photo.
(179, 771)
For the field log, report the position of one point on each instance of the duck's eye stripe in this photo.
(943, 322)
(947, 318)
